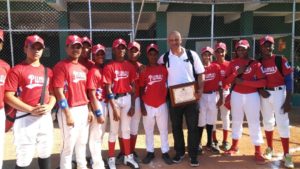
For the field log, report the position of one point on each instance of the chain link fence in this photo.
(201, 22)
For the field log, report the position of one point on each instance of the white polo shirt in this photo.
(180, 69)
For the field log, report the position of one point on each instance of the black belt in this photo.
(274, 88)
(120, 95)
(209, 92)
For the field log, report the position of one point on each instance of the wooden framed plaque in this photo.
(182, 94)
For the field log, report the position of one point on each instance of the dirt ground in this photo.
(243, 160)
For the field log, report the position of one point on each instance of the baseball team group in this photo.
(89, 93)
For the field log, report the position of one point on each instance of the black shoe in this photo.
(149, 157)
(214, 149)
(167, 159)
(89, 162)
(178, 158)
(136, 157)
(194, 162)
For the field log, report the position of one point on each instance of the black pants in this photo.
(191, 113)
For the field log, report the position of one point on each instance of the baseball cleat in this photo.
(149, 157)
(268, 153)
(112, 163)
(288, 163)
(259, 159)
(167, 159)
(120, 158)
(129, 161)
(214, 149)
(225, 146)
(231, 151)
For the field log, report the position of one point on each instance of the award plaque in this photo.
(182, 94)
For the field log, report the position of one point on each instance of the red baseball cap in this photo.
(1, 35)
(134, 44)
(86, 39)
(207, 49)
(97, 48)
(220, 45)
(242, 43)
(266, 39)
(32, 39)
(152, 46)
(118, 42)
(73, 39)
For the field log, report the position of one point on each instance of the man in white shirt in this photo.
(181, 70)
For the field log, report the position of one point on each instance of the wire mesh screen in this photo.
(150, 21)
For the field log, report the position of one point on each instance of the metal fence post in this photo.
(10, 33)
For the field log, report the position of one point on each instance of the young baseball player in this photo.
(73, 115)
(154, 108)
(33, 130)
(211, 99)
(133, 54)
(220, 52)
(96, 91)
(85, 53)
(119, 77)
(4, 68)
(246, 76)
(275, 108)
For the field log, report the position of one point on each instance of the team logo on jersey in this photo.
(35, 81)
(270, 70)
(210, 76)
(222, 72)
(2, 79)
(121, 75)
(78, 76)
(155, 79)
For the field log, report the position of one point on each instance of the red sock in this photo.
(126, 144)
(269, 137)
(121, 145)
(257, 150)
(225, 135)
(235, 143)
(285, 145)
(214, 136)
(132, 142)
(111, 149)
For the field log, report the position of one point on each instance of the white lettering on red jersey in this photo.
(223, 66)
(154, 79)
(120, 75)
(212, 77)
(253, 73)
(4, 68)
(273, 75)
(95, 82)
(71, 77)
(30, 81)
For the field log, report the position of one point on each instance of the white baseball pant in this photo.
(96, 136)
(208, 109)
(271, 111)
(30, 133)
(135, 119)
(74, 137)
(123, 104)
(224, 112)
(160, 115)
(2, 135)
(248, 104)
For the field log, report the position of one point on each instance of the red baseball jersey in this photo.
(4, 68)
(72, 77)
(223, 67)
(154, 79)
(136, 82)
(120, 75)
(212, 75)
(251, 76)
(273, 76)
(29, 80)
(95, 81)
(87, 63)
